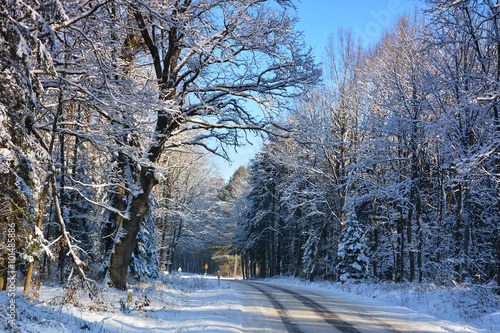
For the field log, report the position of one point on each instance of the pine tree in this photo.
(144, 262)
(20, 54)
(352, 261)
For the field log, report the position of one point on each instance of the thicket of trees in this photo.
(402, 137)
(107, 110)
(388, 169)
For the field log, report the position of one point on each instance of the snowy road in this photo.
(276, 308)
(184, 303)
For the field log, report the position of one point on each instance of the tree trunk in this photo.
(262, 261)
(139, 207)
(3, 278)
(401, 253)
(420, 249)
(411, 252)
(374, 241)
(243, 264)
(125, 244)
(63, 203)
(235, 270)
(498, 263)
(458, 231)
(45, 190)
(163, 246)
(322, 238)
(413, 209)
(298, 255)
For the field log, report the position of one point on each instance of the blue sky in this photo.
(317, 20)
(367, 18)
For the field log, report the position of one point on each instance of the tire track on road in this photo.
(290, 325)
(327, 315)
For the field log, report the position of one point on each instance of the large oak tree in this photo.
(211, 60)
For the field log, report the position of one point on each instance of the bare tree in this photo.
(210, 61)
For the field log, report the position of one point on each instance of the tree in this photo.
(115, 84)
(24, 59)
(466, 51)
(316, 164)
(144, 262)
(399, 142)
(204, 57)
(405, 135)
(261, 215)
(17, 169)
(352, 260)
(187, 212)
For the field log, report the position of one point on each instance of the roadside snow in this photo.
(183, 303)
(174, 303)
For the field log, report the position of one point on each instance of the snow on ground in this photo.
(183, 303)
(177, 303)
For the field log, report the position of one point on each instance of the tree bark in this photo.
(322, 238)
(401, 262)
(125, 245)
(497, 245)
(243, 265)
(45, 190)
(165, 124)
(235, 270)
(298, 254)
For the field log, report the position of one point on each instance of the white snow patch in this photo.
(6, 155)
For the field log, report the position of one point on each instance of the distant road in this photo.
(271, 307)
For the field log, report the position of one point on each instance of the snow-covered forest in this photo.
(108, 113)
(383, 163)
(391, 168)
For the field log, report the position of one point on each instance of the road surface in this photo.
(271, 307)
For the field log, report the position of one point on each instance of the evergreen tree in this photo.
(21, 52)
(351, 256)
(144, 262)
(262, 216)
